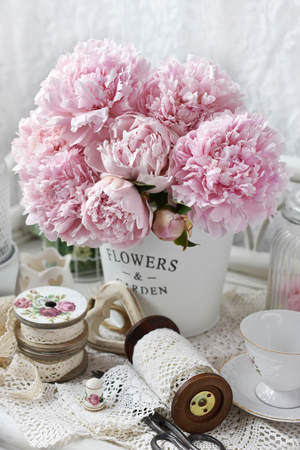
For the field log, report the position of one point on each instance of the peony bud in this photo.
(168, 225)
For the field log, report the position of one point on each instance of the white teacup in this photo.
(272, 338)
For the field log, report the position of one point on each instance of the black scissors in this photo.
(166, 431)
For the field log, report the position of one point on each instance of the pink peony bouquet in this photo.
(115, 149)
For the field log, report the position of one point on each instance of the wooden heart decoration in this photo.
(57, 282)
(108, 294)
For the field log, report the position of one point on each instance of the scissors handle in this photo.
(180, 445)
(204, 437)
(166, 431)
(170, 438)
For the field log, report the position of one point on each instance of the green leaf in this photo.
(35, 229)
(182, 240)
(142, 187)
(159, 199)
(191, 244)
(184, 210)
(181, 207)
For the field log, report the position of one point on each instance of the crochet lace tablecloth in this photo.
(57, 414)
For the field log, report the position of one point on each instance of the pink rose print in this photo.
(23, 303)
(65, 306)
(94, 399)
(49, 312)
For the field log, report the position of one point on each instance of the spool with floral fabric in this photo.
(51, 331)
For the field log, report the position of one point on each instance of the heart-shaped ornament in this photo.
(105, 301)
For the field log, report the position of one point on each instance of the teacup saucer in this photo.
(239, 373)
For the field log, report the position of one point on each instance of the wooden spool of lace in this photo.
(51, 331)
(198, 397)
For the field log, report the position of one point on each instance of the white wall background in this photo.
(256, 41)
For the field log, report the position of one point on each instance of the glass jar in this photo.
(283, 291)
(6, 247)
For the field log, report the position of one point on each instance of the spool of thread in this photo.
(51, 331)
(181, 377)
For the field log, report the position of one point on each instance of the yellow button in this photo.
(202, 403)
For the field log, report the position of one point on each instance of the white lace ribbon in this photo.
(56, 336)
(8, 342)
(56, 370)
(165, 360)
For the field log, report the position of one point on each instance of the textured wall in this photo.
(257, 42)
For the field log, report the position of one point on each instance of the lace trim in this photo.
(20, 380)
(50, 373)
(41, 336)
(8, 342)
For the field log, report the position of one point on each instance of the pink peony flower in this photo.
(181, 95)
(23, 303)
(168, 225)
(65, 306)
(94, 399)
(115, 212)
(49, 312)
(98, 81)
(138, 151)
(228, 171)
(33, 142)
(54, 195)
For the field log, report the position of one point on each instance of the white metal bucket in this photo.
(185, 286)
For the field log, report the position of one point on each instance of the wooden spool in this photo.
(203, 401)
(51, 352)
(53, 309)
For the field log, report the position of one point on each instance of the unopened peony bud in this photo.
(168, 225)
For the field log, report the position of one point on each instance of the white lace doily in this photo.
(58, 413)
